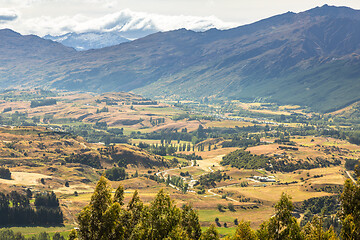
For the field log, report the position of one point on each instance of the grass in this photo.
(209, 215)
(272, 193)
(31, 231)
(166, 111)
(228, 124)
(229, 231)
(169, 157)
(194, 171)
(81, 197)
(256, 216)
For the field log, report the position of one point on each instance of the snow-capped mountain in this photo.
(89, 40)
(115, 28)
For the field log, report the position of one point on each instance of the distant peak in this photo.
(334, 11)
(9, 32)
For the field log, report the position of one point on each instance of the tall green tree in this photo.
(210, 234)
(244, 232)
(190, 222)
(106, 218)
(350, 209)
(314, 230)
(159, 219)
(57, 236)
(135, 210)
(281, 226)
(100, 218)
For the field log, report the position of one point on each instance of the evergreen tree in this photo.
(159, 219)
(57, 236)
(190, 222)
(94, 219)
(135, 209)
(105, 218)
(210, 234)
(10, 235)
(43, 236)
(73, 235)
(314, 230)
(350, 209)
(119, 195)
(282, 225)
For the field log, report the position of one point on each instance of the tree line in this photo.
(15, 209)
(45, 102)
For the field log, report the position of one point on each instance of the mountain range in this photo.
(309, 58)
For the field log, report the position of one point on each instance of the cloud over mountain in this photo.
(122, 21)
(7, 14)
(83, 33)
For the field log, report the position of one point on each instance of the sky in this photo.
(57, 17)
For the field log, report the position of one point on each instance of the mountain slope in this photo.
(310, 58)
(15, 47)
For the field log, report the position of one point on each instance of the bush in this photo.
(116, 174)
(220, 208)
(5, 173)
(46, 102)
(231, 207)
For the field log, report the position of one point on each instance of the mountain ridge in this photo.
(309, 58)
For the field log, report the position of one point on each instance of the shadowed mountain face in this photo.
(310, 58)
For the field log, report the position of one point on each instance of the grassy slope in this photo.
(323, 88)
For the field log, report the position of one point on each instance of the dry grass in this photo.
(228, 124)
(271, 193)
(24, 178)
(257, 216)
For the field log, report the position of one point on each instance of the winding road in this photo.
(162, 174)
(210, 191)
(349, 175)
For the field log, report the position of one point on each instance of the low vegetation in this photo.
(5, 173)
(244, 159)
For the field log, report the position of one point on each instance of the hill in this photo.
(309, 59)
(37, 147)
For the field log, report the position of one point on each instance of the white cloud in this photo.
(58, 17)
(123, 21)
(7, 14)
